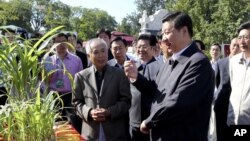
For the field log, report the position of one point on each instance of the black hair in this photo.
(149, 37)
(180, 19)
(6, 30)
(79, 42)
(118, 38)
(61, 35)
(217, 44)
(103, 30)
(159, 36)
(71, 35)
(245, 25)
(202, 45)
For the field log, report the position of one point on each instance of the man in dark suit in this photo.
(183, 88)
(223, 92)
(118, 49)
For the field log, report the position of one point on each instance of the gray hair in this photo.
(95, 42)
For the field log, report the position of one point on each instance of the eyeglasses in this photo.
(143, 47)
(245, 37)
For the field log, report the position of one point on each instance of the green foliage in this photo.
(16, 12)
(130, 24)
(150, 5)
(28, 115)
(75, 18)
(125, 26)
(38, 13)
(94, 19)
(49, 14)
(57, 14)
(215, 21)
(25, 120)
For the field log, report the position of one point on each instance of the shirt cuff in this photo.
(132, 80)
(149, 124)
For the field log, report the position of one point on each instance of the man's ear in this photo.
(185, 30)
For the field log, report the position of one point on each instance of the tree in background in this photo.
(75, 18)
(94, 19)
(132, 19)
(57, 14)
(130, 24)
(150, 5)
(38, 14)
(125, 26)
(214, 20)
(34, 14)
(16, 12)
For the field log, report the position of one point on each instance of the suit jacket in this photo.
(83, 58)
(113, 62)
(114, 95)
(184, 91)
(110, 55)
(141, 101)
(222, 101)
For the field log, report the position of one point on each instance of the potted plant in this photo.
(29, 115)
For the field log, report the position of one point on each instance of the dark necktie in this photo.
(98, 81)
(141, 67)
(173, 63)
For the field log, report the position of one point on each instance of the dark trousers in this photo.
(221, 109)
(137, 135)
(66, 109)
(3, 96)
(69, 113)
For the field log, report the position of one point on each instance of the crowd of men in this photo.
(167, 90)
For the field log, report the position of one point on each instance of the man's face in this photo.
(105, 37)
(144, 50)
(98, 55)
(234, 47)
(165, 49)
(119, 50)
(62, 48)
(157, 50)
(10, 36)
(215, 52)
(244, 40)
(171, 37)
(79, 47)
(72, 40)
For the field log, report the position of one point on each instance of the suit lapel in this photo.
(112, 62)
(192, 49)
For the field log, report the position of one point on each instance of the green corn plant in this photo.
(28, 115)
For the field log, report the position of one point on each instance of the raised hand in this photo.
(130, 69)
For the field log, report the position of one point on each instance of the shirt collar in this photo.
(177, 54)
(244, 59)
(120, 65)
(67, 56)
(103, 69)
